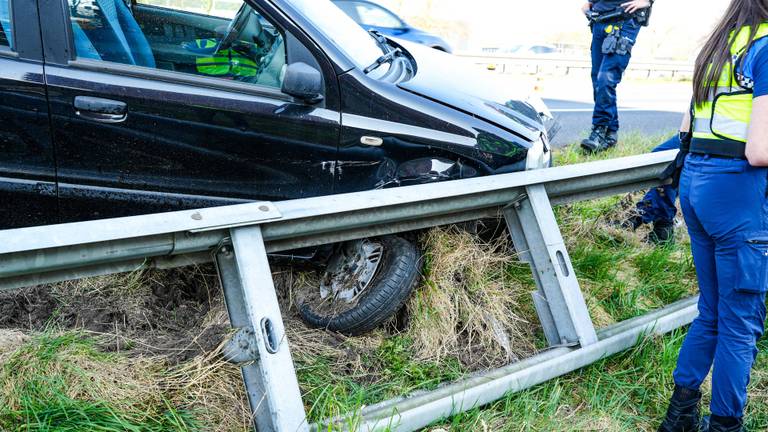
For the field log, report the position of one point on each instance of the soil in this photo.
(166, 317)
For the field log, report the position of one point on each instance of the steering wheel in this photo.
(236, 27)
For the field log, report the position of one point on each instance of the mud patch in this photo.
(157, 313)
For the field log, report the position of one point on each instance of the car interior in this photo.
(170, 37)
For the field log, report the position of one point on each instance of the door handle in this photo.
(101, 110)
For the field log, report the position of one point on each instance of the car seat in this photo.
(5, 21)
(83, 46)
(118, 39)
(271, 73)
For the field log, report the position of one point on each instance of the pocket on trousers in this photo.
(753, 264)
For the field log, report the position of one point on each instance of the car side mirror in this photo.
(303, 82)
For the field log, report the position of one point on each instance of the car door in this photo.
(150, 114)
(27, 169)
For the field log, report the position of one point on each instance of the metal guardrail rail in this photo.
(535, 64)
(237, 238)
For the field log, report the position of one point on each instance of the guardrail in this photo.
(565, 65)
(237, 238)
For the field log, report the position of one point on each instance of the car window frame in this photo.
(12, 41)
(383, 9)
(200, 81)
(27, 41)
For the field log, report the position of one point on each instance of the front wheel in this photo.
(366, 282)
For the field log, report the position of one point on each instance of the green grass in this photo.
(54, 383)
(390, 371)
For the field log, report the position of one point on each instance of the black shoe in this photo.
(722, 424)
(632, 222)
(596, 141)
(611, 138)
(683, 411)
(663, 233)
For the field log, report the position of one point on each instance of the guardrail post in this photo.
(260, 344)
(558, 300)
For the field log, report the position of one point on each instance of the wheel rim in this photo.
(351, 271)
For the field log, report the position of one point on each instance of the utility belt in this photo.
(718, 148)
(723, 149)
(643, 16)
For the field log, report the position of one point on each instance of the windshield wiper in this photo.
(386, 58)
(379, 37)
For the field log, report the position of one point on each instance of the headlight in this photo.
(551, 125)
(539, 155)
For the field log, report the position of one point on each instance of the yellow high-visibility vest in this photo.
(725, 116)
(224, 63)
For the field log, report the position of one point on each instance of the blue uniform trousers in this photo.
(659, 203)
(607, 71)
(724, 204)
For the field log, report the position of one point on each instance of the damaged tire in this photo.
(366, 282)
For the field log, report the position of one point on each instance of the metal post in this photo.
(260, 344)
(558, 300)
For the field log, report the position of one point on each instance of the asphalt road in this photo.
(576, 119)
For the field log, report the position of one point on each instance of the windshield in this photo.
(356, 43)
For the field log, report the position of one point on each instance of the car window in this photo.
(6, 32)
(357, 44)
(373, 15)
(218, 8)
(349, 8)
(224, 39)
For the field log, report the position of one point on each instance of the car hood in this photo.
(451, 81)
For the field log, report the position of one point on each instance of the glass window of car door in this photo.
(373, 15)
(225, 39)
(6, 31)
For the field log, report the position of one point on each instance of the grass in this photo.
(63, 382)
(472, 312)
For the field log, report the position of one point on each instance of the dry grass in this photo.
(10, 340)
(211, 388)
(69, 363)
(469, 306)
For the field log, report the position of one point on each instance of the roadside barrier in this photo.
(237, 238)
(559, 64)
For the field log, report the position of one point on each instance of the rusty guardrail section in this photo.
(237, 238)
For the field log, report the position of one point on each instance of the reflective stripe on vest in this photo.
(224, 63)
(727, 113)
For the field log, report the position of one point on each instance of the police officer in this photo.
(723, 188)
(658, 206)
(238, 62)
(615, 25)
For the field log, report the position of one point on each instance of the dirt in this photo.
(165, 316)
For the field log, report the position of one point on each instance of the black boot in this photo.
(683, 411)
(663, 233)
(715, 423)
(596, 141)
(611, 138)
(631, 222)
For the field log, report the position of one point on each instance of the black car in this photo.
(110, 109)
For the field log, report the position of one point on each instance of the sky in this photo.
(678, 27)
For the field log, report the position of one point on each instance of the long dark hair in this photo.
(716, 51)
